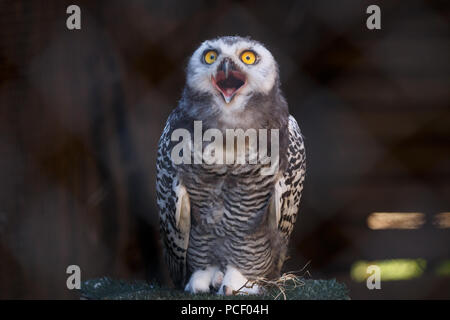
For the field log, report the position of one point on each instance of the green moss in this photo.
(109, 289)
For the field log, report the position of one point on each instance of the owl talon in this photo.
(217, 279)
(201, 280)
(234, 283)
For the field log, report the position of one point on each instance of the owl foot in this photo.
(202, 280)
(235, 283)
(217, 279)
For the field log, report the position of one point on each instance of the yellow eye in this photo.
(248, 57)
(210, 56)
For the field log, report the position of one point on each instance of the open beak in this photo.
(228, 79)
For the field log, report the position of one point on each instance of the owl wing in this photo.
(174, 209)
(289, 186)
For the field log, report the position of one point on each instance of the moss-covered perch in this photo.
(109, 289)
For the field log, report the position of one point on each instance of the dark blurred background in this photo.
(81, 113)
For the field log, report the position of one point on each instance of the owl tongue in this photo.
(228, 86)
(229, 91)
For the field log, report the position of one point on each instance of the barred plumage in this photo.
(229, 218)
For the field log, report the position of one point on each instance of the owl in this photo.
(227, 221)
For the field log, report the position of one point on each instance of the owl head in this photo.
(231, 70)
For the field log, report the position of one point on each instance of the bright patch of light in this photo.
(395, 269)
(395, 220)
(442, 220)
